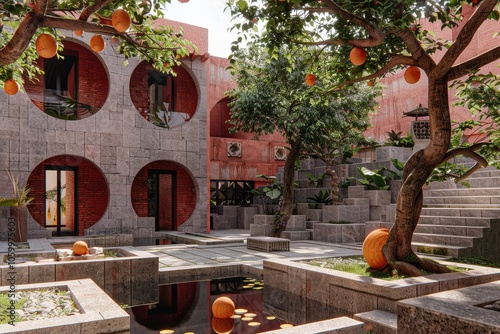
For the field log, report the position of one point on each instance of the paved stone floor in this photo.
(182, 255)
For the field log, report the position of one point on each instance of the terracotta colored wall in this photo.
(186, 192)
(93, 194)
(400, 96)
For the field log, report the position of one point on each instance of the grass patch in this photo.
(358, 266)
(5, 304)
(111, 254)
(477, 261)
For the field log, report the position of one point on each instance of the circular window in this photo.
(70, 194)
(166, 191)
(165, 100)
(72, 87)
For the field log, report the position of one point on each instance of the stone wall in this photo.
(117, 139)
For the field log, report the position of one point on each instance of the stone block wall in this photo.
(117, 139)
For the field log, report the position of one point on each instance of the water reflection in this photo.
(186, 307)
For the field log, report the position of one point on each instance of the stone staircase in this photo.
(461, 221)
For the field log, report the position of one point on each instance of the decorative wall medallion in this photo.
(234, 149)
(279, 153)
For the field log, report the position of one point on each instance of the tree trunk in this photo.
(397, 249)
(334, 184)
(286, 204)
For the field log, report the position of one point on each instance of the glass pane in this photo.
(51, 197)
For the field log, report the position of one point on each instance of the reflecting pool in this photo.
(187, 308)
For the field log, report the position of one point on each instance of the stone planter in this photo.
(378, 197)
(98, 312)
(344, 213)
(245, 216)
(302, 293)
(455, 311)
(131, 279)
(386, 153)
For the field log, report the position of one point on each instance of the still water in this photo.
(187, 308)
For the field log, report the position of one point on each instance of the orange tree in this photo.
(389, 33)
(278, 94)
(22, 21)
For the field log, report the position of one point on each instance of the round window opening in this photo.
(165, 100)
(72, 87)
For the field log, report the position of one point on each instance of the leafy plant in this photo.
(316, 181)
(396, 139)
(19, 195)
(269, 194)
(375, 179)
(323, 197)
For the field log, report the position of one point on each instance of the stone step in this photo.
(297, 235)
(441, 250)
(470, 231)
(483, 182)
(465, 200)
(378, 321)
(486, 172)
(457, 221)
(444, 239)
(339, 325)
(462, 212)
(464, 206)
(462, 192)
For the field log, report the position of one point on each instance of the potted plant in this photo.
(18, 208)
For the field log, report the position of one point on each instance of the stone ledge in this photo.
(455, 311)
(341, 325)
(99, 313)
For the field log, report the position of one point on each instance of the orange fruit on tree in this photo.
(412, 74)
(80, 248)
(120, 20)
(11, 87)
(372, 248)
(357, 56)
(46, 45)
(223, 307)
(371, 83)
(310, 79)
(97, 43)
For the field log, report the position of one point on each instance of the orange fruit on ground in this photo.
(357, 56)
(46, 46)
(372, 248)
(223, 307)
(11, 87)
(310, 79)
(78, 32)
(120, 20)
(80, 248)
(97, 43)
(412, 74)
(222, 325)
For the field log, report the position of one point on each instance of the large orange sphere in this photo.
(97, 43)
(222, 325)
(46, 46)
(372, 248)
(357, 56)
(223, 307)
(80, 248)
(120, 20)
(310, 79)
(11, 87)
(412, 74)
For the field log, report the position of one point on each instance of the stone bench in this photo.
(268, 244)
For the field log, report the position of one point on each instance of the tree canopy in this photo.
(272, 96)
(22, 21)
(391, 37)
